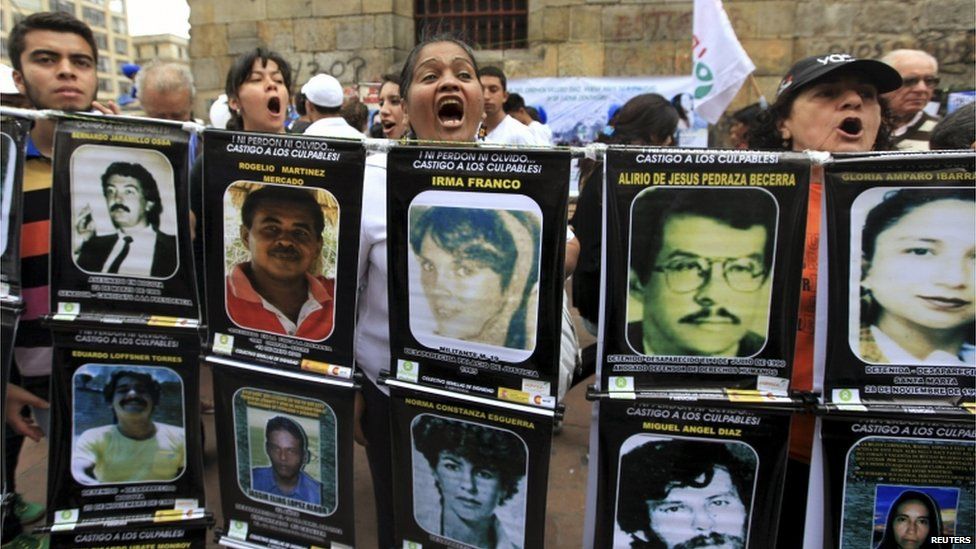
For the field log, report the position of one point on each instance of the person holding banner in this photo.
(135, 448)
(829, 102)
(444, 101)
(917, 290)
(476, 469)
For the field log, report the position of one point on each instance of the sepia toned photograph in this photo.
(701, 271)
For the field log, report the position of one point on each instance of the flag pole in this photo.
(755, 87)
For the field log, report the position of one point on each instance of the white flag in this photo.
(719, 64)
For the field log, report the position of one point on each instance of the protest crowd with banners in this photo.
(784, 330)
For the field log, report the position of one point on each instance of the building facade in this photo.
(109, 22)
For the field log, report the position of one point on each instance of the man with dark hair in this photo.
(135, 448)
(54, 60)
(138, 247)
(498, 126)
(281, 289)
(515, 107)
(323, 102)
(699, 267)
(287, 447)
(674, 493)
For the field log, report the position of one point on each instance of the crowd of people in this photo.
(830, 102)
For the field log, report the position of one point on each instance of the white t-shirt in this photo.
(334, 126)
(543, 133)
(373, 327)
(511, 132)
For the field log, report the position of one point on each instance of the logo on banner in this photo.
(407, 370)
(622, 383)
(223, 344)
(238, 529)
(407, 544)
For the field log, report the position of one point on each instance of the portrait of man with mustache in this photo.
(134, 448)
(700, 260)
(281, 289)
(137, 247)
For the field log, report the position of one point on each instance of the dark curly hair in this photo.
(150, 191)
(653, 469)
(151, 384)
(501, 452)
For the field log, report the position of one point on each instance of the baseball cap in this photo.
(807, 70)
(323, 90)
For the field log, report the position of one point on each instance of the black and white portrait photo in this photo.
(123, 208)
(912, 286)
(677, 493)
(701, 264)
(469, 482)
(474, 272)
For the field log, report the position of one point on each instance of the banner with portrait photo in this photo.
(685, 476)
(899, 281)
(476, 240)
(9, 316)
(125, 409)
(468, 472)
(898, 483)
(120, 233)
(281, 227)
(703, 253)
(286, 457)
(13, 140)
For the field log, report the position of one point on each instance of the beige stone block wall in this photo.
(361, 39)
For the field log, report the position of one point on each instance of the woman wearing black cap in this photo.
(830, 103)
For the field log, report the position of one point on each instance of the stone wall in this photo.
(357, 40)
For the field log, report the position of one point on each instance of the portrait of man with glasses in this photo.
(700, 262)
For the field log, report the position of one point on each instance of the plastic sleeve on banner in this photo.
(65, 520)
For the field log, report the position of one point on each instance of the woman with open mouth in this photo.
(443, 100)
(392, 118)
(918, 250)
(830, 102)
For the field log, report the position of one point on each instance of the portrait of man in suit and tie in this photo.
(137, 246)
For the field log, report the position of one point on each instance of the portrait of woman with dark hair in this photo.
(917, 254)
(476, 469)
(479, 272)
(913, 519)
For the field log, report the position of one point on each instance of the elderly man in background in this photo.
(165, 90)
(920, 76)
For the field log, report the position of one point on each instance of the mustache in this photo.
(138, 400)
(709, 312)
(119, 206)
(711, 540)
(285, 252)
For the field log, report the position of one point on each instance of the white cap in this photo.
(220, 112)
(7, 80)
(323, 90)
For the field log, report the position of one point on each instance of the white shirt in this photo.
(333, 126)
(373, 327)
(511, 132)
(896, 355)
(139, 260)
(543, 133)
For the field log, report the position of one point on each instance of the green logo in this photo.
(66, 514)
(68, 307)
(621, 382)
(846, 394)
(238, 525)
(223, 339)
(704, 75)
(407, 366)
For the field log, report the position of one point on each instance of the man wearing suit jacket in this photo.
(137, 248)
